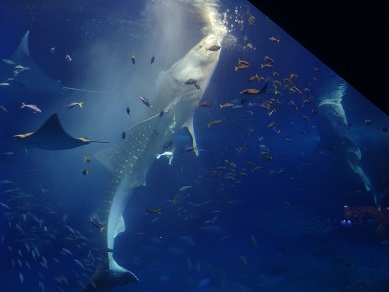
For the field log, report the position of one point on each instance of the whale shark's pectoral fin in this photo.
(189, 127)
(52, 136)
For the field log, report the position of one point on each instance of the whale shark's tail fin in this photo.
(104, 278)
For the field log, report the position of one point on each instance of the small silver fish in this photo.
(184, 188)
(44, 260)
(21, 278)
(31, 106)
(5, 206)
(27, 247)
(41, 285)
(79, 263)
(67, 251)
(9, 62)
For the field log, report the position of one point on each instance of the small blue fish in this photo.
(187, 149)
(145, 101)
(128, 110)
(124, 134)
(152, 60)
(161, 113)
(168, 144)
(133, 58)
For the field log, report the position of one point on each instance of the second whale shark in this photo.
(129, 162)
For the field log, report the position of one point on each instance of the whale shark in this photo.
(129, 161)
(333, 129)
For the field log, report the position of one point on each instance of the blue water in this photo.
(277, 228)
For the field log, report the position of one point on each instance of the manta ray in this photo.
(52, 136)
(19, 75)
(129, 162)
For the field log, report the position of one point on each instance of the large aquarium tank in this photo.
(182, 146)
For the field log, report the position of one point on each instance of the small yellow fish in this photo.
(87, 159)
(153, 211)
(226, 105)
(95, 222)
(215, 122)
(73, 104)
(250, 46)
(252, 78)
(85, 171)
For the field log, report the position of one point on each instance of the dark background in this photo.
(349, 37)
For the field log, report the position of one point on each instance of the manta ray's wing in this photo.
(52, 136)
(32, 80)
